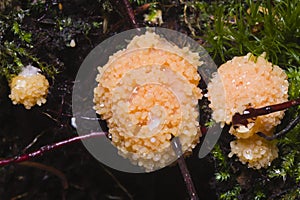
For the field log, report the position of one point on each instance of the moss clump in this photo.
(239, 27)
(16, 46)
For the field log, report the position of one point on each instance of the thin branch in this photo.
(184, 170)
(32, 143)
(46, 148)
(50, 169)
(289, 127)
(20, 196)
(238, 118)
(130, 13)
(118, 183)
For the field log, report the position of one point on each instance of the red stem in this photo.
(176, 144)
(255, 112)
(46, 148)
(130, 13)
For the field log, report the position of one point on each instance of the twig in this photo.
(184, 170)
(187, 21)
(52, 170)
(289, 127)
(130, 13)
(279, 194)
(19, 196)
(50, 116)
(118, 183)
(46, 148)
(32, 143)
(255, 112)
(90, 118)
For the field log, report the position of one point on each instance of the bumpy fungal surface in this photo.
(148, 93)
(29, 88)
(245, 82)
(255, 151)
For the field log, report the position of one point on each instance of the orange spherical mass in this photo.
(249, 82)
(29, 88)
(246, 82)
(148, 94)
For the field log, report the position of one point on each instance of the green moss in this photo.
(210, 123)
(259, 195)
(231, 194)
(294, 194)
(290, 144)
(222, 176)
(294, 82)
(24, 36)
(142, 2)
(240, 27)
(220, 157)
(68, 28)
(15, 46)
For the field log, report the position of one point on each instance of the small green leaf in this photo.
(16, 28)
(222, 176)
(27, 37)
